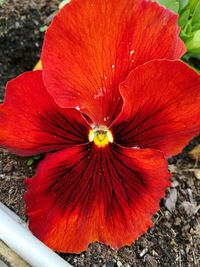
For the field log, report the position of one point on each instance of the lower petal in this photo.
(86, 194)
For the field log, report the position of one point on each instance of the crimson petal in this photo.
(85, 194)
(92, 45)
(31, 122)
(161, 107)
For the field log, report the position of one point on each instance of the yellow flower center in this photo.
(101, 136)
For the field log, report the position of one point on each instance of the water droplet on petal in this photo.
(136, 147)
(78, 108)
(100, 93)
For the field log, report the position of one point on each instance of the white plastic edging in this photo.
(13, 215)
(21, 240)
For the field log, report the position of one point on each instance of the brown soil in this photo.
(175, 238)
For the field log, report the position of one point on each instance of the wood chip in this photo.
(9, 257)
(195, 153)
(197, 174)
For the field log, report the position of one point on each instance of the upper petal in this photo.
(85, 194)
(32, 123)
(161, 107)
(92, 45)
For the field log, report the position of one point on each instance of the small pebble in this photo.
(177, 221)
(190, 208)
(2, 176)
(167, 214)
(170, 202)
(119, 264)
(110, 264)
(151, 262)
(143, 252)
(154, 253)
(190, 195)
(174, 184)
(172, 168)
(8, 168)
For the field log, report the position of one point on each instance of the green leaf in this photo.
(193, 43)
(170, 4)
(30, 162)
(186, 32)
(184, 36)
(182, 4)
(188, 29)
(34, 159)
(37, 157)
(173, 5)
(183, 18)
(162, 2)
(193, 4)
(195, 56)
(196, 27)
(196, 14)
(1, 2)
(43, 28)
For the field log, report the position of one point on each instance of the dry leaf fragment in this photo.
(197, 174)
(195, 153)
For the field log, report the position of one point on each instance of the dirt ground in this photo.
(175, 238)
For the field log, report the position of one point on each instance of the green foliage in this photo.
(193, 43)
(189, 21)
(61, 5)
(31, 161)
(1, 2)
(192, 4)
(170, 4)
(183, 4)
(196, 14)
(43, 28)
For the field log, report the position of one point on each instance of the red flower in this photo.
(106, 175)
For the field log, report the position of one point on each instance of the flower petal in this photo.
(92, 45)
(85, 194)
(31, 122)
(161, 107)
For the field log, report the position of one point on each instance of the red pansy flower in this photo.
(118, 96)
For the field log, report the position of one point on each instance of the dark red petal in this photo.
(32, 123)
(92, 45)
(161, 107)
(85, 194)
